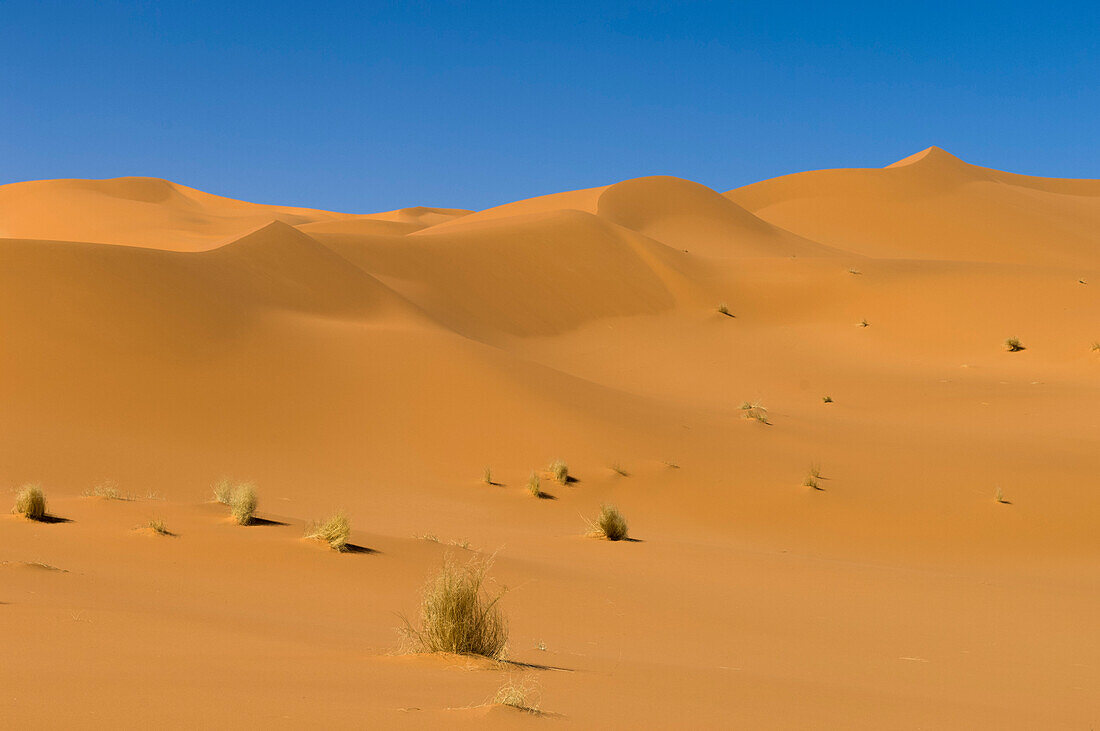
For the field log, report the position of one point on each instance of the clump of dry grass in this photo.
(159, 527)
(755, 410)
(534, 485)
(223, 490)
(609, 524)
(863, 323)
(999, 496)
(31, 502)
(619, 470)
(724, 309)
(335, 531)
(519, 695)
(1095, 347)
(242, 502)
(826, 399)
(1013, 345)
(559, 470)
(487, 477)
(108, 490)
(457, 615)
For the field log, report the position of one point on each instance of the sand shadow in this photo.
(265, 521)
(355, 548)
(534, 666)
(50, 519)
(546, 496)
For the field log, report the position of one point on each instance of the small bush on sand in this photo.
(487, 477)
(609, 524)
(1095, 347)
(999, 496)
(31, 502)
(534, 485)
(518, 695)
(559, 470)
(108, 490)
(755, 410)
(724, 309)
(223, 490)
(826, 399)
(863, 323)
(1013, 345)
(158, 527)
(457, 615)
(619, 470)
(243, 502)
(335, 531)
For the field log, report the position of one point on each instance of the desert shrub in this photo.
(242, 501)
(1095, 347)
(1014, 345)
(559, 470)
(724, 310)
(487, 477)
(223, 491)
(457, 615)
(31, 502)
(534, 485)
(158, 526)
(108, 490)
(999, 496)
(619, 470)
(754, 410)
(863, 323)
(609, 524)
(826, 399)
(518, 695)
(335, 531)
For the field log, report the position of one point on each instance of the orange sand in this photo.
(162, 337)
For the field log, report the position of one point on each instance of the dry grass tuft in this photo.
(223, 490)
(242, 502)
(108, 490)
(609, 524)
(487, 477)
(519, 695)
(826, 399)
(559, 470)
(1095, 347)
(534, 485)
(159, 527)
(724, 309)
(619, 470)
(863, 323)
(1013, 345)
(31, 502)
(457, 615)
(999, 496)
(335, 531)
(756, 411)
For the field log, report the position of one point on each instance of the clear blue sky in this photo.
(366, 106)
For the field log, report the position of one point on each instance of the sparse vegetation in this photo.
(31, 502)
(518, 695)
(724, 309)
(827, 399)
(159, 527)
(609, 524)
(487, 476)
(863, 323)
(108, 490)
(223, 491)
(559, 470)
(619, 470)
(811, 482)
(534, 485)
(999, 496)
(756, 411)
(242, 502)
(1013, 345)
(854, 271)
(335, 531)
(1095, 347)
(458, 615)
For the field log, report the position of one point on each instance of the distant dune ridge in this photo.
(373, 364)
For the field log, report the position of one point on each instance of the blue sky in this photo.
(367, 106)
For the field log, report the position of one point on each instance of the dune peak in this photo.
(929, 154)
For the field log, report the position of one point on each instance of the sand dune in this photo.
(934, 206)
(162, 337)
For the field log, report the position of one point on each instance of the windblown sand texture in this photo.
(162, 337)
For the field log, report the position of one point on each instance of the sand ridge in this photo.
(163, 337)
